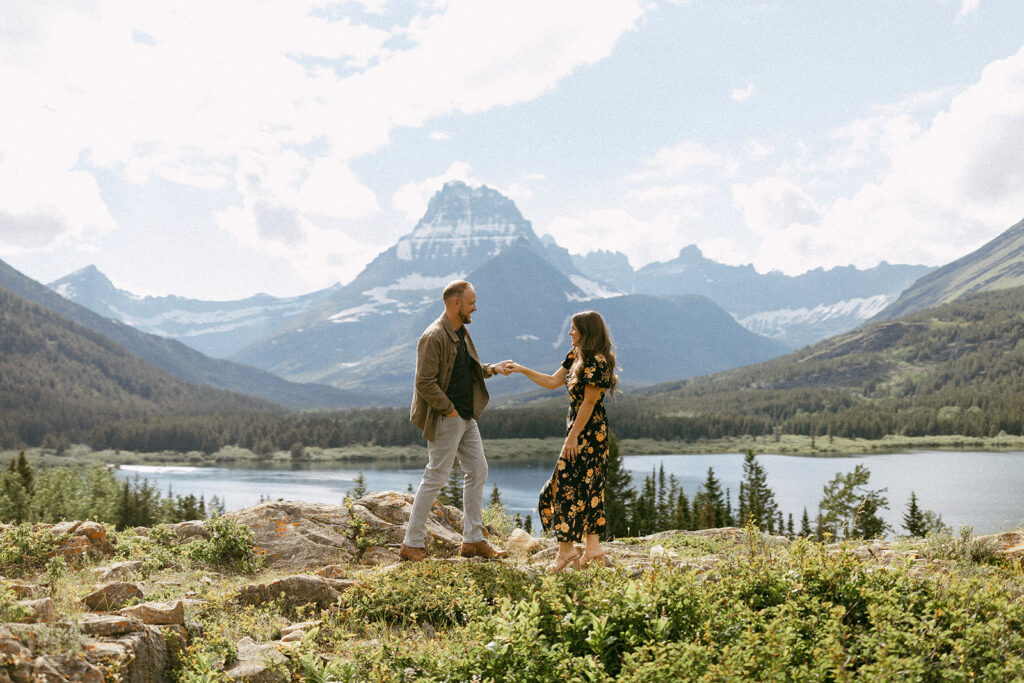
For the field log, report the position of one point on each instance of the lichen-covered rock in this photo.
(41, 610)
(258, 664)
(23, 591)
(298, 535)
(521, 543)
(108, 625)
(86, 538)
(118, 570)
(156, 613)
(190, 530)
(111, 596)
(1009, 545)
(140, 656)
(293, 591)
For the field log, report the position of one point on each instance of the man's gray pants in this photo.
(453, 436)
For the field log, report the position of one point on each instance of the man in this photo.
(448, 398)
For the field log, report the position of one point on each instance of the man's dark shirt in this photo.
(460, 386)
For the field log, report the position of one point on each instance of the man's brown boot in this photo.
(481, 549)
(410, 554)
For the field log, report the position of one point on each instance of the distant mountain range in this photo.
(356, 337)
(362, 337)
(182, 361)
(997, 265)
(216, 328)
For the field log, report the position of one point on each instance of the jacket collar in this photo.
(446, 325)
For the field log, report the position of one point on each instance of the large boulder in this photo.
(258, 663)
(299, 535)
(85, 539)
(295, 590)
(111, 596)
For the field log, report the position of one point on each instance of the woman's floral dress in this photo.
(572, 500)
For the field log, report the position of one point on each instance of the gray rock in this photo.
(118, 570)
(111, 596)
(258, 664)
(298, 535)
(42, 610)
(156, 613)
(293, 591)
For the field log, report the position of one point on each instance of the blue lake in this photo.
(979, 489)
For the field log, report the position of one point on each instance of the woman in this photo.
(572, 500)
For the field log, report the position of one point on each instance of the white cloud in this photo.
(743, 94)
(968, 6)
(670, 192)
(937, 190)
(440, 136)
(273, 101)
(643, 238)
(672, 162)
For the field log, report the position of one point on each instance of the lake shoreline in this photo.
(513, 450)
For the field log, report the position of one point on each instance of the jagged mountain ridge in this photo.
(214, 328)
(795, 310)
(524, 310)
(182, 361)
(998, 264)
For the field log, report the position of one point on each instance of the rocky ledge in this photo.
(310, 551)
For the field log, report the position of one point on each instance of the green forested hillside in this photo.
(954, 369)
(57, 378)
(996, 265)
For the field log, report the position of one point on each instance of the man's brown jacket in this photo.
(435, 358)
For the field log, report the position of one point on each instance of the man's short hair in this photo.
(455, 289)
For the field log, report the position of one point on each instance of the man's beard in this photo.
(465, 318)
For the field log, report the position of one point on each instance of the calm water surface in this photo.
(967, 488)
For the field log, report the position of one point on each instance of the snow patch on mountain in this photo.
(774, 324)
(590, 289)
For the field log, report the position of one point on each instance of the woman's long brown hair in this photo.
(594, 340)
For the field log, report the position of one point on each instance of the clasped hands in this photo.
(505, 367)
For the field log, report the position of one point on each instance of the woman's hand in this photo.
(513, 366)
(571, 446)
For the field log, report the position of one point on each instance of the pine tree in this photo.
(359, 488)
(451, 492)
(757, 501)
(528, 524)
(495, 496)
(913, 520)
(805, 525)
(618, 493)
(845, 497)
(790, 530)
(710, 503)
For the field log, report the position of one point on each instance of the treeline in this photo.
(848, 507)
(56, 494)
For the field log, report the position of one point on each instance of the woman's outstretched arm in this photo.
(552, 381)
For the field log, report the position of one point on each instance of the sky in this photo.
(219, 149)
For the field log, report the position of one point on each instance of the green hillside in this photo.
(954, 369)
(57, 378)
(999, 264)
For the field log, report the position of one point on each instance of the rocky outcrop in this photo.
(258, 664)
(297, 590)
(111, 596)
(298, 535)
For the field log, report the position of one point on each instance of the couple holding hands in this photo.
(450, 395)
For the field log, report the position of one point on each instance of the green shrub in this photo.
(24, 550)
(231, 545)
(439, 593)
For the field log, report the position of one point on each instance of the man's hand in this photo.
(504, 367)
